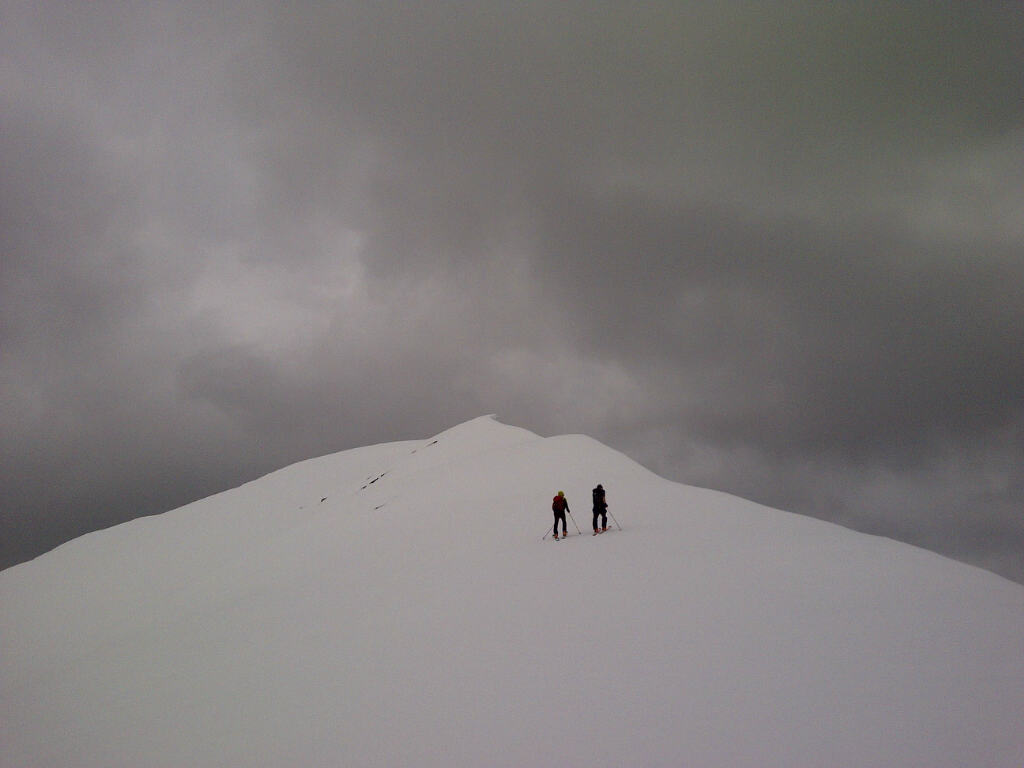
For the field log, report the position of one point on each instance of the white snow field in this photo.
(414, 617)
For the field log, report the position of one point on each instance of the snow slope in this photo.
(414, 617)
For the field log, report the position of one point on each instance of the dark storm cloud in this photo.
(772, 248)
(855, 339)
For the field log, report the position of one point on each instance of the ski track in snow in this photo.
(395, 606)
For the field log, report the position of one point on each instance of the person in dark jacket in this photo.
(560, 505)
(600, 505)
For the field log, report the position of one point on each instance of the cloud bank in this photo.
(773, 249)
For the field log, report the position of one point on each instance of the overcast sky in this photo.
(775, 249)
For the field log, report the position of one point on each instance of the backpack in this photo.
(558, 504)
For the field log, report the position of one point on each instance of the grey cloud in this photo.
(775, 95)
(823, 337)
(715, 236)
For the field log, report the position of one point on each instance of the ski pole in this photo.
(574, 522)
(546, 532)
(613, 518)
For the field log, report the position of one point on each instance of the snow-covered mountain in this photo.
(395, 606)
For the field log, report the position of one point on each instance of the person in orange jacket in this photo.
(560, 505)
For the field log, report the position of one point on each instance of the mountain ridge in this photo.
(395, 605)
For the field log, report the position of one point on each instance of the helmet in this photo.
(561, 493)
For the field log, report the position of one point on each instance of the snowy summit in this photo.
(397, 605)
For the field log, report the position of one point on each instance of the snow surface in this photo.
(414, 617)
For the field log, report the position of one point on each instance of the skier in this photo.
(600, 505)
(560, 505)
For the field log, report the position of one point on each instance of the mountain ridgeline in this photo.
(397, 605)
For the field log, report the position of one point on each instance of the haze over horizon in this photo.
(775, 249)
